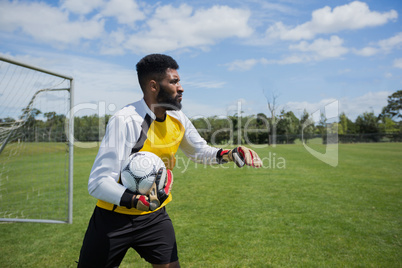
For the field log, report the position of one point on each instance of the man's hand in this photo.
(140, 202)
(161, 188)
(130, 199)
(241, 156)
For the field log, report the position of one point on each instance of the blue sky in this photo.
(232, 54)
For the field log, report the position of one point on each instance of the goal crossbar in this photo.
(35, 68)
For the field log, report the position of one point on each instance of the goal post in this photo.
(36, 144)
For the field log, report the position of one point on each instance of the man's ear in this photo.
(154, 86)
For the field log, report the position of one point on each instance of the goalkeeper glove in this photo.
(241, 156)
(132, 200)
(140, 202)
(161, 188)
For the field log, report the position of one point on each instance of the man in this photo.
(122, 219)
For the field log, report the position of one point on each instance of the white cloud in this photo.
(322, 48)
(189, 28)
(317, 50)
(111, 44)
(366, 52)
(81, 7)
(391, 43)
(369, 102)
(268, 6)
(382, 46)
(398, 63)
(297, 107)
(195, 109)
(46, 23)
(352, 107)
(292, 59)
(166, 28)
(355, 15)
(101, 82)
(203, 85)
(125, 11)
(200, 80)
(243, 65)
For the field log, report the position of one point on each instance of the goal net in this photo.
(36, 144)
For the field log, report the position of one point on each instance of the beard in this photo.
(168, 102)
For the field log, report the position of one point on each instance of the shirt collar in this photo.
(148, 111)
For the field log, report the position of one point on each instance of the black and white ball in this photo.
(139, 171)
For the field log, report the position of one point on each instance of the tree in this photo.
(343, 124)
(203, 125)
(368, 124)
(7, 121)
(50, 123)
(30, 121)
(54, 126)
(306, 126)
(346, 126)
(394, 107)
(321, 127)
(287, 127)
(256, 129)
(387, 125)
(223, 130)
(272, 107)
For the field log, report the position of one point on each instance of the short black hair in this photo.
(153, 67)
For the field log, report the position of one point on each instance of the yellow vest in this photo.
(163, 139)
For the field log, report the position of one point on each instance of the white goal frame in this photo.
(70, 140)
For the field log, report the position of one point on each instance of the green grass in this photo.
(300, 212)
(30, 174)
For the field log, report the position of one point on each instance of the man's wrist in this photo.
(223, 156)
(127, 199)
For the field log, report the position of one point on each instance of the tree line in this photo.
(285, 127)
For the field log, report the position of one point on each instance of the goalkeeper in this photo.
(122, 219)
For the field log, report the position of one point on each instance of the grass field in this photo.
(31, 173)
(296, 212)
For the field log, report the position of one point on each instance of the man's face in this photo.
(170, 91)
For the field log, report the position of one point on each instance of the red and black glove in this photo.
(241, 156)
(140, 202)
(161, 188)
(132, 200)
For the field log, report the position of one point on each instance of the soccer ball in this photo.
(139, 171)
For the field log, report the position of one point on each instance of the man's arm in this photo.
(116, 146)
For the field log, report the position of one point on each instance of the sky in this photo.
(234, 56)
